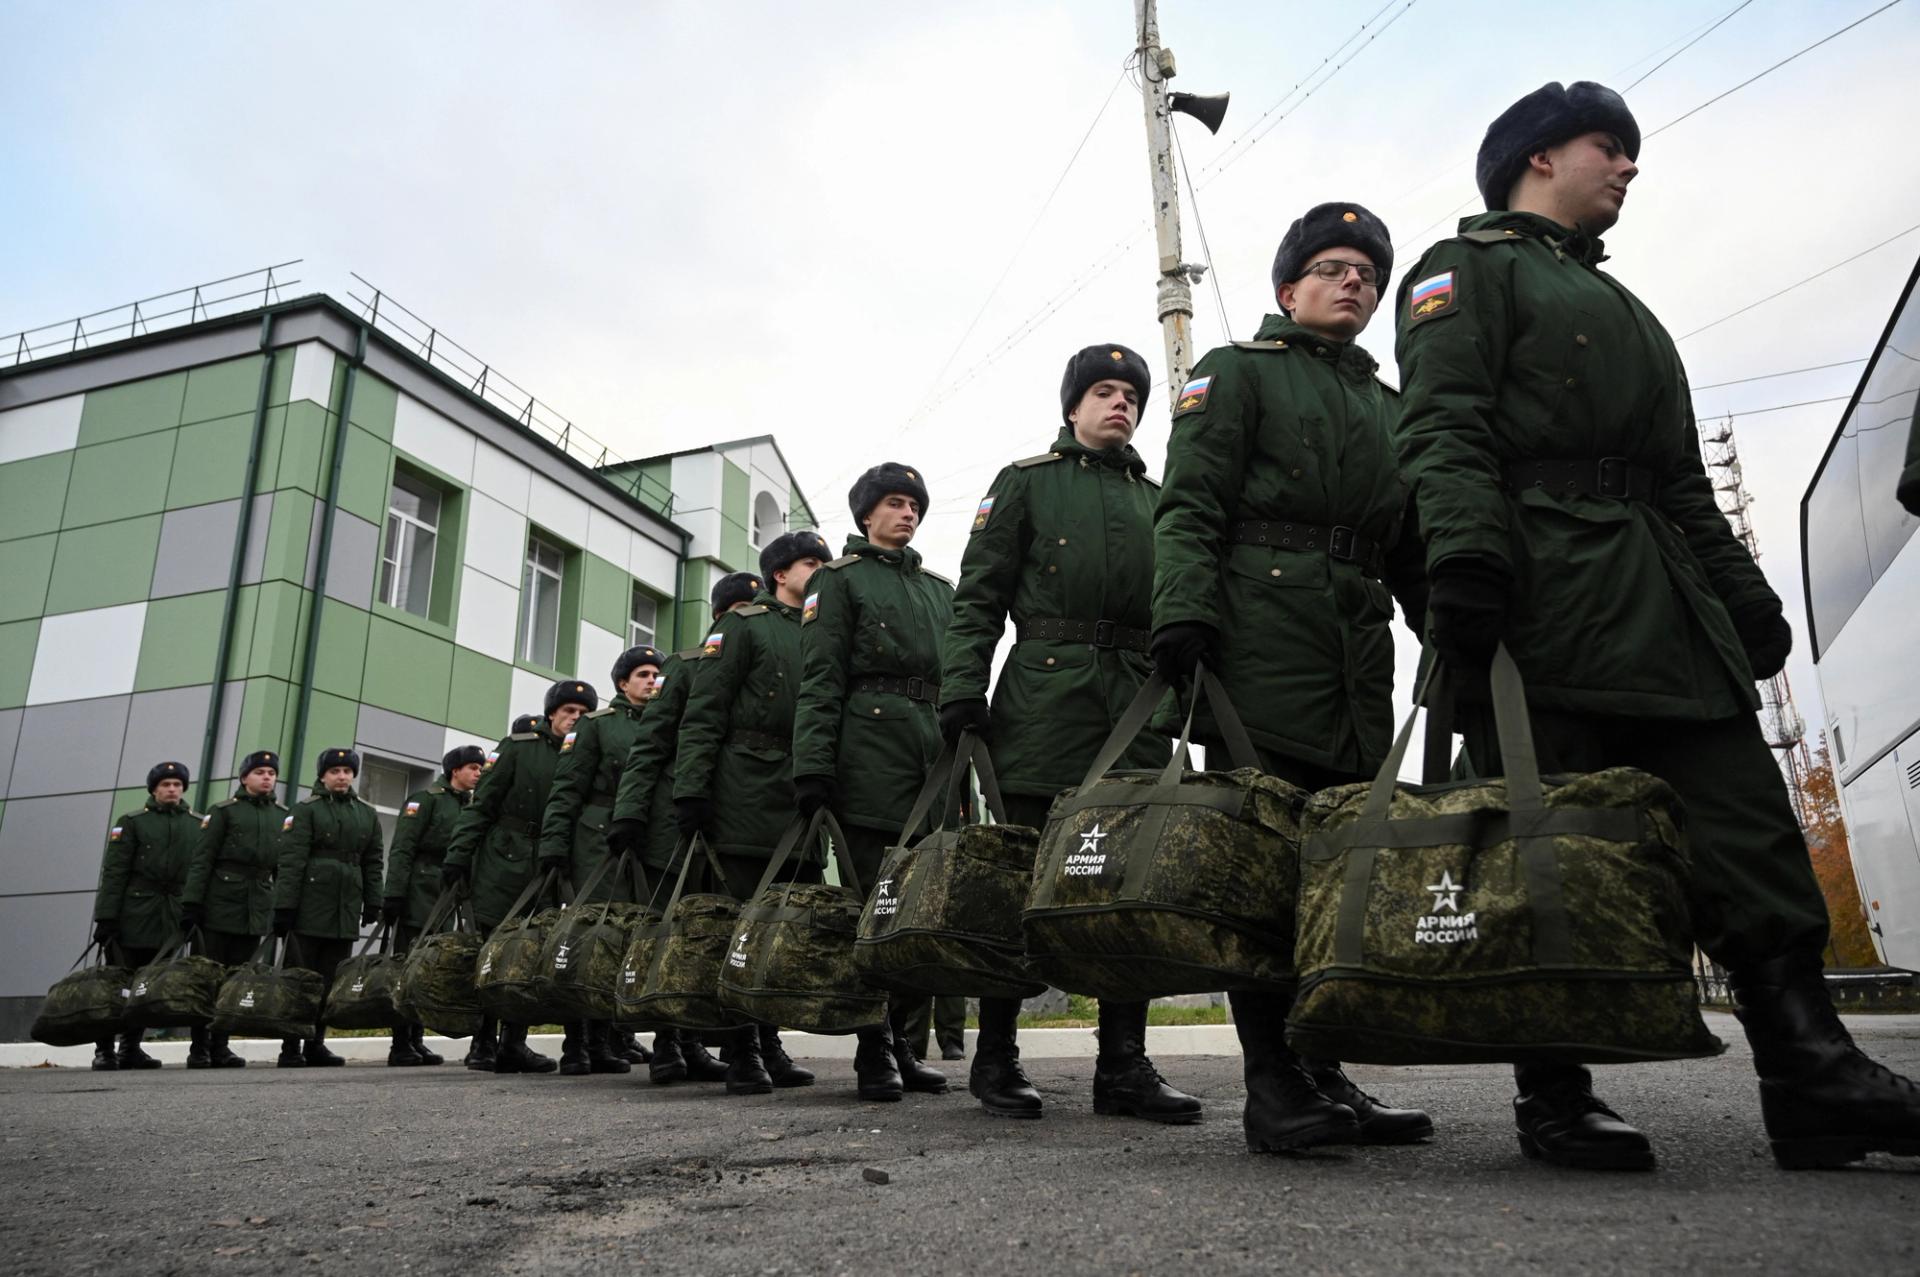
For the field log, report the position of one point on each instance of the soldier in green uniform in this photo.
(1549, 438)
(1280, 543)
(644, 819)
(327, 885)
(865, 730)
(413, 884)
(494, 846)
(573, 832)
(229, 893)
(1063, 545)
(136, 908)
(733, 777)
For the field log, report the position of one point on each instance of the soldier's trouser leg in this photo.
(130, 1055)
(908, 1015)
(230, 949)
(996, 1078)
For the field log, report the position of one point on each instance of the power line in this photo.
(1193, 198)
(1808, 280)
(1768, 376)
(1688, 45)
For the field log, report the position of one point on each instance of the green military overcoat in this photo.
(495, 839)
(645, 792)
(580, 801)
(872, 613)
(736, 736)
(144, 873)
(1515, 346)
(1289, 429)
(1063, 536)
(330, 853)
(234, 862)
(420, 838)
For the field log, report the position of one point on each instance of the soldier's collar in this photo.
(1575, 243)
(1351, 356)
(1121, 458)
(906, 555)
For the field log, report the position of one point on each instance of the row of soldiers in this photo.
(1536, 481)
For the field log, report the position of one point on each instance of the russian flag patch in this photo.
(1431, 296)
(1193, 396)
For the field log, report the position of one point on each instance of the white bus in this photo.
(1862, 574)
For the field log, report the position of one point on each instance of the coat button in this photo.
(1571, 382)
(1273, 572)
(1580, 339)
(1052, 568)
(1049, 660)
(883, 625)
(1296, 472)
(876, 710)
(1063, 540)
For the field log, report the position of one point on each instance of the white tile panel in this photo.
(654, 566)
(87, 654)
(696, 481)
(529, 694)
(312, 373)
(488, 615)
(429, 437)
(40, 428)
(501, 477)
(704, 525)
(558, 511)
(598, 651)
(496, 539)
(608, 537)
(456, 738)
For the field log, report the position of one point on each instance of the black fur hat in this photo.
(260, 758)
(1547, 117)
(632, 659)
(460, 757)
(784, 550)
(1095, 364)
(571, 691)
(886, 478)
(166, 771)
(734, 587)
(1333, 226)
(332, 758)
(524, 723)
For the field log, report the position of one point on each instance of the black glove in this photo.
(1766, 636)
(554, 864)
(394, 909)
(1177, 648)
(624, 836)
(1468, 601)
(369, 915)
(693, 816)
(192, 915)
(104, 930)
(969, 715)
(283, 920)
(811, 793)
(455, 878)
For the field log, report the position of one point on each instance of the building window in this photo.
(413, 530)
(768, 521)
(385, 784)
(643, 615)
(540, 584)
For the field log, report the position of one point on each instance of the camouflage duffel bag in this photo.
(266, 998)
(361, 996)
(944, 919)
(1150, 884)
(436, 978)
(1474, 922)
(586, 951)
(671, 976)
(791, 962)
(511, 976)
(176, 990)
(85, 1005)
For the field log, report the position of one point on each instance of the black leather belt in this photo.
(1341, 543)
(1061, 629)
(758, 740)
(519, 825)
(914, 689)
(1614, 477)
(333, 853)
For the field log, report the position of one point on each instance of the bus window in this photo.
(1838, 573)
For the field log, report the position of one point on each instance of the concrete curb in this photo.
(1168, 1040)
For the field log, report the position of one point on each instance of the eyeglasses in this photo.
(1334, 271)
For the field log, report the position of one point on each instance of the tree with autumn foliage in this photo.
(1826, 831)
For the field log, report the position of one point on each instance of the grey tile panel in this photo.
(226, 747)
(9, 737)
(196, 549)
(44, 934)
(52, 844)
(163, 725)
(386, 732)
(76, 746)
(356, 544)
(257, 540)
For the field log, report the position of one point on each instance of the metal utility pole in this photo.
(1175, 290)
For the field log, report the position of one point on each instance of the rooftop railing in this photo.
(182, 306)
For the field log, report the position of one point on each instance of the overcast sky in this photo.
(689, 222)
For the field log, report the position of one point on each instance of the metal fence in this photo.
(182, 306)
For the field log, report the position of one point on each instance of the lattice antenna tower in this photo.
(1785, 730)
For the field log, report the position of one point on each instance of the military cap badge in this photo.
(1349, 216)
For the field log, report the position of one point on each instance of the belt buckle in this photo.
(1613, 478)
(916, 688)
(1340, 544)
(1103, 633)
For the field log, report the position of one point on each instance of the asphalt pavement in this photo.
(387, 1171)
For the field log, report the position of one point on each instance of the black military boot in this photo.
(1824, 1102)
(701, 1066)
(400, 1052)
(1563, 1122)
(1379, 1124)
(197, 1057)
(104, 1060)
(780, 1066)
(515, 1056)
(220, 1051)
(1286, 1110)
(874, 1068)
(914, 1075)
(290, 1056)
(996, 1078)
(131, 1056)
(574, 1061)
(746, 1075)
(483, 1048)
(667, 1065)
(317, 1055)
(602, 1055)
(417, 1035)
(1125, 1083)
(628, 1047)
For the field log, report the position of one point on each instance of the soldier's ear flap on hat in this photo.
(1091, 365)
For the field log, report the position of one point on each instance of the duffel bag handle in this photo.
(537, 887)
(381, 935)
(948, 774)
(1510, 720)
(1233, 732)
(448, 905)
(801, 832)
(576, 898)
(975, 750)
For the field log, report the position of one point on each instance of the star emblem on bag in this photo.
(1446, 893)
(1090, 841)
